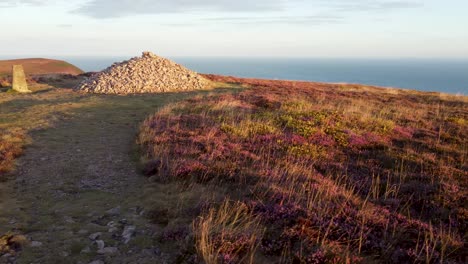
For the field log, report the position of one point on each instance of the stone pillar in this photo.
(19, 79)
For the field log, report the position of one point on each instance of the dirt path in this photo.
(78, 194)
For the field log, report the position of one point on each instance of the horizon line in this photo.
(13, 57)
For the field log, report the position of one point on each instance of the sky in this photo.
(235, 28)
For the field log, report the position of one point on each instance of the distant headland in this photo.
(39, 66)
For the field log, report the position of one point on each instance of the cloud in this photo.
(65, 25)
(371, 5)
(14, 3)
(121, 8)
(307, 20)
(118, 8)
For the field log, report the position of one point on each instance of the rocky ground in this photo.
(79, 195)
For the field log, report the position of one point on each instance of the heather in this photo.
(312, 173)
(11, 143)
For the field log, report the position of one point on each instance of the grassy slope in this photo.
(85, 146)
(312, 173)
(39, 66)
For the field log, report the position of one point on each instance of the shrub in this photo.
(10, 148)
(331, 175)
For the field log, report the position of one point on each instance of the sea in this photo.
(439, 75)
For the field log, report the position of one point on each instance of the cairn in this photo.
(146, 74)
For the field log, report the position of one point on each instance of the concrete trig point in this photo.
(19, 79)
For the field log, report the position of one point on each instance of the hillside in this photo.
(37, 66)
(255, 171)
(296, 172)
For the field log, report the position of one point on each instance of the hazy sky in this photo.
(273, 28)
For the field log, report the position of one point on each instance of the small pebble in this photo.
(95, 236)
(100, 244)
(108, 251)
(86, 250)
(36, 244)
(97, 262)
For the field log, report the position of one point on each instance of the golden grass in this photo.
(229, 233)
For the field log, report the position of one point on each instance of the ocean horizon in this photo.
(439, 75)
(435, 75)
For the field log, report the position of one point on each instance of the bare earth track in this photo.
(78, 177)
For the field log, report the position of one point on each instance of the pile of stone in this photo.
(146, 74)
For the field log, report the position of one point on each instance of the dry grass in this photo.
(22, 114)
(11, 143)
(228, 234)
(333, 173)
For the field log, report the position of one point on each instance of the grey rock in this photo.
(97, 262)
(95, 236)
(86, 250)
(127, 233)
(36, 244)
(151, 252)
(114, 211)
(100, 244)
(108, 251)
(113, 229)
(69, 220)
(83, 232)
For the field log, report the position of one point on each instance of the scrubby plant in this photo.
(227, 234)
(331, 174)
(11, 143)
